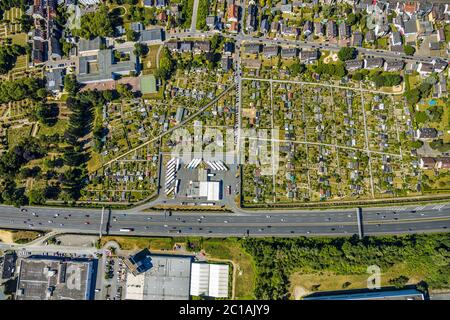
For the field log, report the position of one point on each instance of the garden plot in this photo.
(323, 173)
(382, 128)
(130, 179)
(257, 188)
(288, 112)
(348, 119)
(130, 123)
(292, 176)
(393, 177)
(256, 104)
(317, 107)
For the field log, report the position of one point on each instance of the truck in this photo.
(126, 229)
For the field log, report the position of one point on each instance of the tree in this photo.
(8, 57)
(409, 50)
(297, 68)
(36, 196)
(140, 49)
(47, 114)
(131, 35)
(97, 24)
(166, 65)
(71, 84)
(347, 53)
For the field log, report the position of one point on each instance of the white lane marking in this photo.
(439, 207)
(419, 208)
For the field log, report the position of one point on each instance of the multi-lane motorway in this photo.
(342, 222)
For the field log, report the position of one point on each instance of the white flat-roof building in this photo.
(209, 280)
(210, 190)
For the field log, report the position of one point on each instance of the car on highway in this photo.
(87, 222)
(56, 215)
(50, 221)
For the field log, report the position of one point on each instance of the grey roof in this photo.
(357, 39)
(354, 64)
(289, 52)
(411, 26)
(309, 55)
(168, 278)
(52, 279)
(252, 48)
(151, 35)
(393, 65)
(270, 51)
(55, 80)
(370, 63)
(108, 68)
(89, 45)
(136, 26)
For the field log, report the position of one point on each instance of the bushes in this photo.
(386, 79)
(277, 258)
(19, 89)
(347, 53)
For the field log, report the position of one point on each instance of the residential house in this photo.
(307, 28)
(318, 29)
(332, 31)
(252, 48)
(370, 36)
(251, 18)
(410, 28)
(344, 31)
(394, 65)
(373, 63)
(426, 133)
(425, 68)
(357, 39)
(232, 13)
(427, 163)
(201, 46)
(228, 48)
(352, 65)
(211, 22)
(309, 56)
(289, 52)
(264, 26)
(270, 51)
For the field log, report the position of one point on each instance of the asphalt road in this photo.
(342, 222)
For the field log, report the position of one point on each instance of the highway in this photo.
(342, 222)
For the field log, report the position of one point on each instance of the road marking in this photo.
(420, 208)
(439, 207)
(101, 222)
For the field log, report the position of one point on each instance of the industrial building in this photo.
(168, 278)
(44, 278)
(209, 280)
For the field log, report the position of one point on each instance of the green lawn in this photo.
(59, 128)
(17, 134)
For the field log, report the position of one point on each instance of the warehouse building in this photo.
(209, 280)
(168, 278)
(43, 278)
(211, 190)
